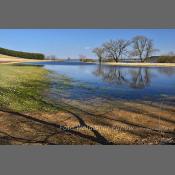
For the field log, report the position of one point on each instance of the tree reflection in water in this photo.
(137, 78)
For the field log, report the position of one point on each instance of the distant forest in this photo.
(20, 54)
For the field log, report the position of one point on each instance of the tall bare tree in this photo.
(100, 52)
(143, 47)
(116, 49)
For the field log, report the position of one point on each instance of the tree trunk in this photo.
(100, 60)
(116, 60)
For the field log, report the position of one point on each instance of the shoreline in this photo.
(14, 60)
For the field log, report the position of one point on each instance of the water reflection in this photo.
(167, 71)
(115, 81)
(134, 78)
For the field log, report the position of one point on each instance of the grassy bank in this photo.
(22, 88)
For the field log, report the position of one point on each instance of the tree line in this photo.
(22, 54)
(139, 47)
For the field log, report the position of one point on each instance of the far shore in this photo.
(13, 60)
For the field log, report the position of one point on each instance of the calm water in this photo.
(117, 82)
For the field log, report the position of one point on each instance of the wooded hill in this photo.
(20, 54)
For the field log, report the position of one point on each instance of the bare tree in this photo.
(100, 52)
(143, 47)
(115, 49)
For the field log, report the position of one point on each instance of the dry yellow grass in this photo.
(126, 123)
(4, 59)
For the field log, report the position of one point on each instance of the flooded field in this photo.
(78, 103)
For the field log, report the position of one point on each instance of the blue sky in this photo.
(72, 42)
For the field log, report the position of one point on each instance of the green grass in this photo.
(22, 88)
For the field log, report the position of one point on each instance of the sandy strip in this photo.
(141, 64)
